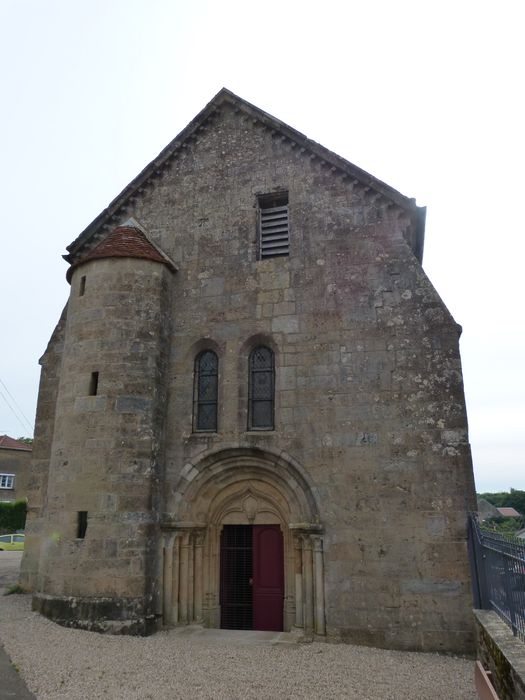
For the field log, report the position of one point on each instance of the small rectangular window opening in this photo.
(274, 232)
(93, 384)
(82, 287)
(82, 524)
(7, 481)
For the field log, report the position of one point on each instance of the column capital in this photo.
(317, 542)
(168, 538)
(199, 535)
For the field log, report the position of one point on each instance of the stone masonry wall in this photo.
(369, 395)
(51, 363)
(104, 457)
(502, 654)
(369, 391)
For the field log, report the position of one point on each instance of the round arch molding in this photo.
(241, 486)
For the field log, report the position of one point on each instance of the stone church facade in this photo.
(251, 412)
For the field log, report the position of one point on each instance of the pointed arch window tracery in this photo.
(261, 390)
(205, 392)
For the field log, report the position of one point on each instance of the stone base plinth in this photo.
(97, 614)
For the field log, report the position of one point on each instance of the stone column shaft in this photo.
(199, 545)
(184, 578)
(298, 567)
(168, 578)
(319, 586)
(191, 579)
(176, 582)
(159, 603)
(308, 585)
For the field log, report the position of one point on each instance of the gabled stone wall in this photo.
(369, 396)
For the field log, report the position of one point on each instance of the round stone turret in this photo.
(98, 565)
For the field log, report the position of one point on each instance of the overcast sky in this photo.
(427, 96)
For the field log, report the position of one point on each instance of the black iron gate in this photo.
(236, 577)
(498, 575)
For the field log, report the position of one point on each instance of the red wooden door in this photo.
(268, 577)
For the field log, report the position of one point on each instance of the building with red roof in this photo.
(508, 512)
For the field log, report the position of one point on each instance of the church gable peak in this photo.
(204, 120)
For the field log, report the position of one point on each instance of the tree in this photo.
(26, 440)
(513, 499)
(505, 526)
(12, 516)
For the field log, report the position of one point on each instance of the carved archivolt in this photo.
(243, 487)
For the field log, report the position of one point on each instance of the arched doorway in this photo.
(257, 493)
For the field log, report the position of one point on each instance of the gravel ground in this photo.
(9, 568)
(63, 663)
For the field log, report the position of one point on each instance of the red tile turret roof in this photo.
(124, 242)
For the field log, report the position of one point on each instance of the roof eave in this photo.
(420, 233)
(144, 174)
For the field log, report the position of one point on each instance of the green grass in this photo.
(16, 588)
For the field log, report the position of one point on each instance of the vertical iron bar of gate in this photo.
(484, 564)
(508, 594)
(514, 587)
(517, 586)
(473, 560)
(481, 564)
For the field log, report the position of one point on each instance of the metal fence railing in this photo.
(498, 575)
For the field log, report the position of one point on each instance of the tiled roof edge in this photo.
(15, 444)
(137, 246)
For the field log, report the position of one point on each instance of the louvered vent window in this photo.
(274, 232)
